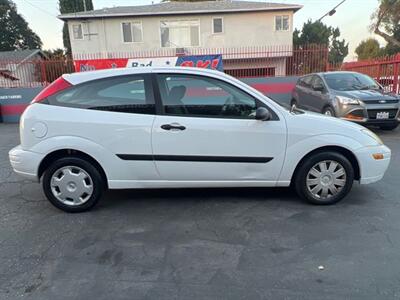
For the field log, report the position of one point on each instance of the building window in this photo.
(77, 31)
(180, 33)
(132, 32)
(218, 25)
(282, 23)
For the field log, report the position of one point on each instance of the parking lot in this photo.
(200, 244)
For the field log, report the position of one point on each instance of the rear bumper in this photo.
(372, 170)
(25, 163)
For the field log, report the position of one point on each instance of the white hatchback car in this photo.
(184, 128)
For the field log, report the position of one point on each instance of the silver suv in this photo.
(348, 95)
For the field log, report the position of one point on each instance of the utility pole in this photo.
(331, 12)
(84, 5)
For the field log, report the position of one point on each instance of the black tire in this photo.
(96, 180)
(389, 127)
(330, 110)
(300, 179)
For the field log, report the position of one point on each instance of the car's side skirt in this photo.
(150, 184)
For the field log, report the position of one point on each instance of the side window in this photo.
(77, 31)
(307, 81)
(282, 23)
(218, 26)
(132, 32)
(200, 96)
(317, 81)
(128, 94)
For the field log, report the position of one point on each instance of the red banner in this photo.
(99, 64)
(199, 61)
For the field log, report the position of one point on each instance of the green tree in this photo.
(318, 33)
(14, 30)
(386, 23)
(71, 6)
(57, 53)
(368, 49)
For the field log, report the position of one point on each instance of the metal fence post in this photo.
(396, 63)
(43, 71)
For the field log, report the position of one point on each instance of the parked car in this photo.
(184, 128)
(348, 95)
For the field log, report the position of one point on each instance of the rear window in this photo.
(128, 94)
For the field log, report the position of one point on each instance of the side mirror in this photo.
(263, 114)
(318, 87)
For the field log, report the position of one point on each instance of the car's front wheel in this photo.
(324, 178)
(328, 111)
(73, 184)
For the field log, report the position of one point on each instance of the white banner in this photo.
(152, 62)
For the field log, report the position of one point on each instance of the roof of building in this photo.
(20, 55)
(182, 8)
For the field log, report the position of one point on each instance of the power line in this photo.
(41, 9)
(332, 11)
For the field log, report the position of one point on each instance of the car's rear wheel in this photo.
(73, 184)
(324, 178)
(328, 111)
(389, 127)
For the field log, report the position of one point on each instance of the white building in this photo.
(226, 27)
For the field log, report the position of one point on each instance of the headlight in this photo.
(347, 101)
(372, 135)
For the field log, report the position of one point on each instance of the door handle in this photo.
(173, 126)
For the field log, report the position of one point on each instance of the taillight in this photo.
(56, 86)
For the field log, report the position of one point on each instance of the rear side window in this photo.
(128, 94)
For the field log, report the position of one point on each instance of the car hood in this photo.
(367, 95)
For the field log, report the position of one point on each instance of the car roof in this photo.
(80, 77)
(330, 72)
(338, 72)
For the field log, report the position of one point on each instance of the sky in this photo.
(352, 17)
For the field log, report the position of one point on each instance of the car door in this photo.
(303, 91)
(206, 131)
(318, 96)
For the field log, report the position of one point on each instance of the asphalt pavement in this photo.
(200, 243)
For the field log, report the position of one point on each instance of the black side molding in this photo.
(135, 156)
(197, 158)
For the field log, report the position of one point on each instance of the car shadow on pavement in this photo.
(118, 198)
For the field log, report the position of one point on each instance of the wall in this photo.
(240, 29)
(279, 64)
(13, 101)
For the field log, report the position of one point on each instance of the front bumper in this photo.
(374, 122)
(371, 169)
(25, 163)
(367, 115)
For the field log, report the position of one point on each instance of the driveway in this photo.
(200, 244)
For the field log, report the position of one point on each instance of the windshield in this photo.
(350, 82)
